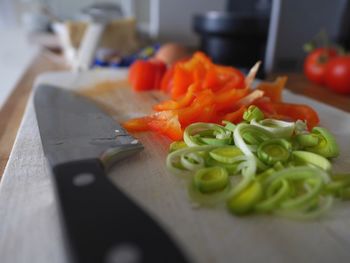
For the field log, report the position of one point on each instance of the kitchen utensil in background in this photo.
(229, 38)
(102, 223)
(119, 35)
(98, 15)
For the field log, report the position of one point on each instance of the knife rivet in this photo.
(134, 142)
(124, 253)
(83, 179)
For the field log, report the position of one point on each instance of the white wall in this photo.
(175, 18)
(70, 8)
(174, 21)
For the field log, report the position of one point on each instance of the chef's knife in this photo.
(103, 224)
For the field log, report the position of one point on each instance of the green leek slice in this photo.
(327, 145)
(248, 169)
(212, 179)
(339, 186)
(213, 131)
(245, 201)
(307, 140)
(229, 125)
(173, 160)
(232, 168)
(192, 161)
(227, 154)
(276, 193)
(242, 129)
(274, 150)
(312, 211)
(280, 129)
(253, 113)
(174, 146)
(208, 199)
(309, 158)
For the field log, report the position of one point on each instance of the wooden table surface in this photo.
(12, 112)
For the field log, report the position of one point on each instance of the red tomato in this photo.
(337, 75)
(315, 64)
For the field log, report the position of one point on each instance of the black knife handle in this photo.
(103, 225)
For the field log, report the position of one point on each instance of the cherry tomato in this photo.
(315, 64)
(337, 75)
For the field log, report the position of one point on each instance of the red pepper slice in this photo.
(137, 124)
(290, 112)
(235, 116)
(146, 75)
(166, 123)
(273, 90)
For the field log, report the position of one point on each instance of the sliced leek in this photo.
(215, 134)
(327, 145)
(243, 129)
(309, 158)
(245, 201)
(280, 129)
(274, 150)
(253, 113)
(265, 166)
(227, 154)
(210, 180)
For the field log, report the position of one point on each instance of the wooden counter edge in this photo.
(298, 84)
(12, 111)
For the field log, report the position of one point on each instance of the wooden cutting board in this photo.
(30, 230)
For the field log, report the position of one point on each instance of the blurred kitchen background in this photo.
(233, 32)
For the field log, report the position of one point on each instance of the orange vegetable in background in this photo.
(170, 53)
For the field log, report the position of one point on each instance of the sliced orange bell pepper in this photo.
(146, 75)
(227, 97)
(193, 112)
(230, 74)
(273, 90)
(137, 124)
(202, 91)
(296, 112)
(167, 80)
(182, 102)
(182, 79)
(235, 116)
(166, 123)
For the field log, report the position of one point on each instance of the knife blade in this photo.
(102, 224)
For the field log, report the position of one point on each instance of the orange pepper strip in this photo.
(227, 98)
(180, 103)
(236, 116)
(273, 90)
(167, 81)
(166, 123)
(211, 80)
(181, 81)
(137, 124)
(296, 112)
(198, 107)
(229, 74)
